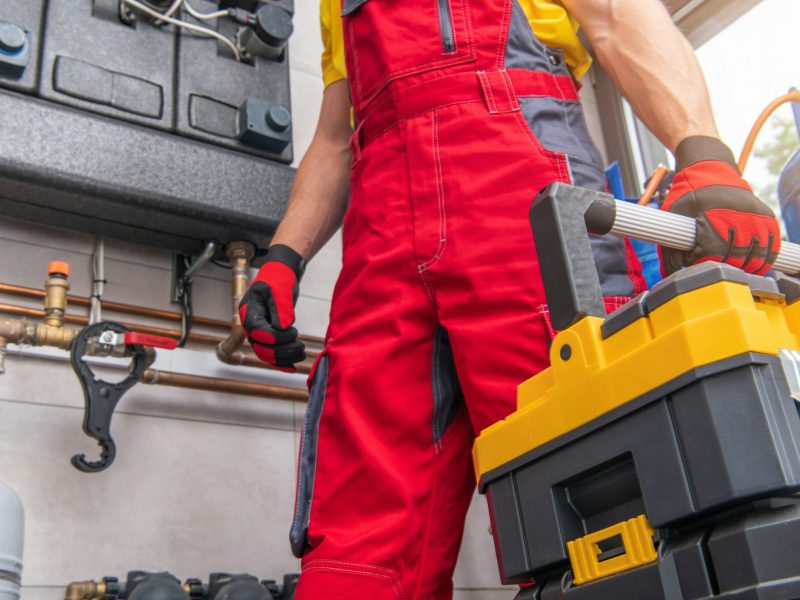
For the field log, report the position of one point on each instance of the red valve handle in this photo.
(145, 339)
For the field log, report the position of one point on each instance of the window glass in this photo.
(747, 65)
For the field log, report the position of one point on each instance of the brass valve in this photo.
(56, 288)
(85, 590)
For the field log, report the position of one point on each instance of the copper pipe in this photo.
(18, 290)
(248, 359)
(230, 386)
(240, 254)
(142, 311)
(655, 180)
(24, 311)
(16, 330)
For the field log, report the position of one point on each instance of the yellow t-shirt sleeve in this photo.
(555, 27)
(333, 67)
(549, 20)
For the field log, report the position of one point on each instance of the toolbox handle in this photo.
(677, 231)
(563, 215)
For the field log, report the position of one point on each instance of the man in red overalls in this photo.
(463, 116)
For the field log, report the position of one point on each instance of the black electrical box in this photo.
(164, 131)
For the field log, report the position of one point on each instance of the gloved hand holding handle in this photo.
(267, 309)
(733, 225)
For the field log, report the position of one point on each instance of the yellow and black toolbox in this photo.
(659, 456)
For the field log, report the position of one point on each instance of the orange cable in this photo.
(793, 96)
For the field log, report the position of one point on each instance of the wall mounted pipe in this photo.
(21, 331)
(132, 309)
(12, 535)
(12, 325)
(230, 386)
(240, 255)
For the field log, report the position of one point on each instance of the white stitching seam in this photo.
(397, 586)
(510, 92)
(437, 161)
(487, 91)
(422, 112)
(426, 285)
(502, 42)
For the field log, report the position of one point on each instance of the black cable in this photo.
(186, 312)
(185, 298)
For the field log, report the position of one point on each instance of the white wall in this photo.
(202, 481)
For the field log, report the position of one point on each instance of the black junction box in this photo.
(126, 128)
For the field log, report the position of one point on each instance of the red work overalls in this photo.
(439, 312)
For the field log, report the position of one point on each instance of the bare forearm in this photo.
(317, 202)
(318, 199)
(652, 64)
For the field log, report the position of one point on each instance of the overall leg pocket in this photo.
(307, 461)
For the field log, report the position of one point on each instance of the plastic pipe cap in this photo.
(58, 267)
(278, 118)
(273, 25)
(12, 38)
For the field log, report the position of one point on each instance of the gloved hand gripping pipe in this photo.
(229, 350)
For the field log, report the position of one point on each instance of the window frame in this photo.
(627, 139)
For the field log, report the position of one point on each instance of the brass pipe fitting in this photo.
(22, 331)
(240, 255)
(15, 331)
(57, 337)
(85, 590)
(56, 288)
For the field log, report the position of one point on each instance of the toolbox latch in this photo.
(612, 550)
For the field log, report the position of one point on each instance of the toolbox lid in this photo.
(705, 274)
(690, 279)
(625, 315)
(789, 287)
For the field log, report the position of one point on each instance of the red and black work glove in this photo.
(267, 309)
(733, 225)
